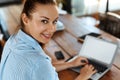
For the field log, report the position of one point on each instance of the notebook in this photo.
(99, 53)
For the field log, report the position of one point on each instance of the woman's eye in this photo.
(44, 21)
(55, 22)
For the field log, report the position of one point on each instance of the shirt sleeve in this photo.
(44, 71)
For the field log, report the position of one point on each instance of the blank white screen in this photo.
(98, 49)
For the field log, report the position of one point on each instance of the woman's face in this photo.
(42, 23)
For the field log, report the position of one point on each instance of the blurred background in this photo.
(85, 7)
(104, 14)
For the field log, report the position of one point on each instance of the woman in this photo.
(23, 57)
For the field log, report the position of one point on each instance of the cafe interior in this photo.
(77, 18)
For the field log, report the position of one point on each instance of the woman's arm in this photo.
(62, 66)
(86, 72)
(66, 65)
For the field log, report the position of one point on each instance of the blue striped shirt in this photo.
(24, 59)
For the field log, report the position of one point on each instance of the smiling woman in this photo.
(23, 57)
(40, 23)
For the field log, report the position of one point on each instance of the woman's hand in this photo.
(79, 61)
(86, 72)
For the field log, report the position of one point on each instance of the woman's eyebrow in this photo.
(56, 18)
(45, 17)
(48, 18)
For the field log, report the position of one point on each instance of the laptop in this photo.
(99, 53)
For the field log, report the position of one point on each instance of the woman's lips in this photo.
(47, 36)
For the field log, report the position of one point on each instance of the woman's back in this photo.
(22, 60)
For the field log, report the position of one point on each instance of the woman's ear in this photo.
(25, 19)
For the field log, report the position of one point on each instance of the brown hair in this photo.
(30, 6)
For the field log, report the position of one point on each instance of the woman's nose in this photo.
(52, 28)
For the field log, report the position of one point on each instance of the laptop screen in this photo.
(98, 49)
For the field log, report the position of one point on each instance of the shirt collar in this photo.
(26, 38)
(30, 41)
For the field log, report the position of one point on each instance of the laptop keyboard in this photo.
(99, 67)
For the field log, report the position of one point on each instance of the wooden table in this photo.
(66, 40)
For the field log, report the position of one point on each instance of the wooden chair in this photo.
(9, 2)
(110, 23)
(4, 32)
